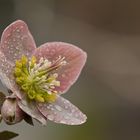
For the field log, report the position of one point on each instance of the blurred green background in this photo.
(108, 90)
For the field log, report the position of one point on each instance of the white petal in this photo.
(62, 111)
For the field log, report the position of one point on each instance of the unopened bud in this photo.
(10, 111)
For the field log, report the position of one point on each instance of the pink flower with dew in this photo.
(38, 76)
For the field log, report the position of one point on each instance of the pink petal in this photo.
(17, 41)
(31, 109)
(74, 56)
(6, 74)
(62, 111)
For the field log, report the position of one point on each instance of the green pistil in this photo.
(36, 79)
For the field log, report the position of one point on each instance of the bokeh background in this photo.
(108, 90)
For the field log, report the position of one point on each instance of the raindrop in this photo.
(72, 123)
(47, 50)
(55, 113)
(18, 36)
(40, 105)
(52, 52)
(18, 30)
(52, 109)
(48, 107)
(70, 114)
(22, 38)
(21, 27)
(50, 117)
(24, 102)
(62, 121)
(45, 105)
(73, 110)
(66, 107)
(63, 75)
(76, 115)
(8, 35)
(66, 117)
(58, 108)
(7, 71)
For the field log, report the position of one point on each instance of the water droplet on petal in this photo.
(58, 108)
(50, 117)
(55, 113)
(21, 27)
(18, 30)
(63, 75)
(70, 114)
(72, 123)
(66, 107)
(52, 52)
(48, 107)
(76, 115)
(66, 117)
(73, 110)
(62, 121)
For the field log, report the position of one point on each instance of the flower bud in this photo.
(10, 111)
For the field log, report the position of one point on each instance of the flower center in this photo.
(38, 80)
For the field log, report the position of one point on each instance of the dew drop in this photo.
(72, 123)
(40, 105)
(21, 27)
(22, 38)
(48, 107)
(52, 52)
(63, 75)
(8, 35)
(66, 117)
(24, 102)
(58, 108)
(73, 110)
(50, 117)
(66, 107)
(53, 109)
(70, 114)
(18, 30)
(76, 115)
(62, 121)
(18, 36)
(47, 50)
(55, 113)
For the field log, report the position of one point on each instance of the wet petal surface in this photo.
(6, 74)
(31, 109)
(74, 57)
(17, 41)
(62, 111)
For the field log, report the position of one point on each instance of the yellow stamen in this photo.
(37, 80)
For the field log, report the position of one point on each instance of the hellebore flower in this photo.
(38, 76)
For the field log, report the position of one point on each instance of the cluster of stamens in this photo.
(38, 80)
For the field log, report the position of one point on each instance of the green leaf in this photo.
(7, 135)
